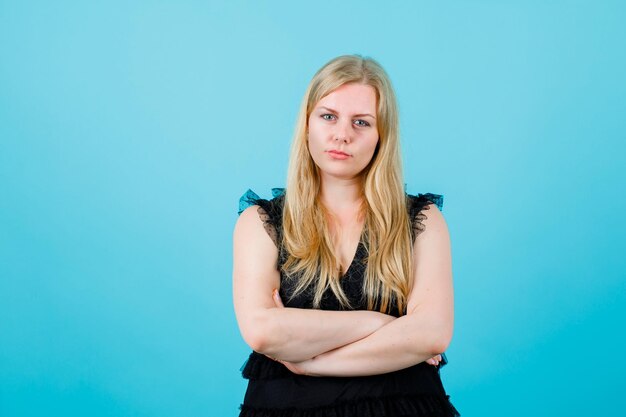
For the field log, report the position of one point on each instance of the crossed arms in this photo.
(343, 343)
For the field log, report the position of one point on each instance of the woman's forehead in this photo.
(350, 98)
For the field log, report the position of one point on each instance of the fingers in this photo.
(276, 298)
(292, 367)
(434, 360)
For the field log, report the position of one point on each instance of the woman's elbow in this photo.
(442, 339)
(255, 340)
(256, 332)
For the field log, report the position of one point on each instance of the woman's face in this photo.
(342, 131)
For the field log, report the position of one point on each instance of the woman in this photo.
(342, 282)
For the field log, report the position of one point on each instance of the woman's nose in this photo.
(342, 133)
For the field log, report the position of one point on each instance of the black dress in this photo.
(274, 391)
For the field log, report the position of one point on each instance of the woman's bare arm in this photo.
(289, 334)
(421, 334)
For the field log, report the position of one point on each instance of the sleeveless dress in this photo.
(274, 391)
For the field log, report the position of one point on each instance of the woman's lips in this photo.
(338, 154)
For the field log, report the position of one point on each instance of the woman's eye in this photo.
(361, 123)
(327, 116)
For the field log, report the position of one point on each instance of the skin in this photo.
(343, 343)
(343, 120)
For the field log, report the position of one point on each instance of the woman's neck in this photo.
(342, 196)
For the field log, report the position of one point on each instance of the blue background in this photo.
(129, 130)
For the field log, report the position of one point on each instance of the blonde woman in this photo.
(342, 282)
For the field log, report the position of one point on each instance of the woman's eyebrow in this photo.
(354, 115)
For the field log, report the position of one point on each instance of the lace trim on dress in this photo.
(250, 198)
(259, 366)
(417, 205)
(270, 211)
(409, 405)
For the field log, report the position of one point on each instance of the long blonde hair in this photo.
(306, 233)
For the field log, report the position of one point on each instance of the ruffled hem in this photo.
(259, 367)
(416, 405)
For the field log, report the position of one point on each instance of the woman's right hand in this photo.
(434, 360)
(277, 300)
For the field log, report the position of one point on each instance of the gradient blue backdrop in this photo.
(128, 131)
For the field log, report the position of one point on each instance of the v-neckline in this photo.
(356, 253)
